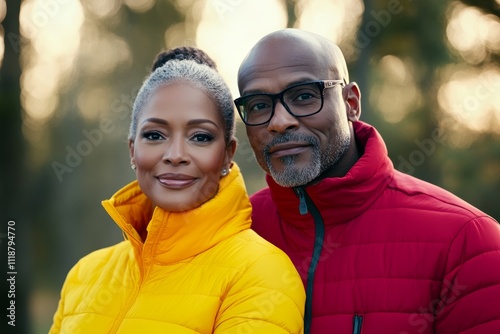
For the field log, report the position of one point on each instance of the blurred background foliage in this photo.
(429, 73)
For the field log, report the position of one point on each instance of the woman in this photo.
(190, 263)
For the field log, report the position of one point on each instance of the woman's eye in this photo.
(152, 135)
(202, 137)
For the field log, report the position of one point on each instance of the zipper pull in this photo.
(302, 201)
(358, 321)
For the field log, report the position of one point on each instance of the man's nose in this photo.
(282, 120)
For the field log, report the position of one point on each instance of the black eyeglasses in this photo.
(301, 100)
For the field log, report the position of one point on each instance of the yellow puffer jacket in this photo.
(199, 271)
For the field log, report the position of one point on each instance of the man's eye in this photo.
(202, 137)
(152, 135)
(258, 106)
(304, 96)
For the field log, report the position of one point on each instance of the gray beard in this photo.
(292, 176)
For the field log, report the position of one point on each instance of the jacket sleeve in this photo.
(268, 298)
(59, 315)
(470, 291)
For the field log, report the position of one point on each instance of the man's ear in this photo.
(352, 98)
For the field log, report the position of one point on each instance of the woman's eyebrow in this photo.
(189, 123)
(201, 121)
(155, 120)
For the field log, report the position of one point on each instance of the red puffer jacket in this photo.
(383, 252)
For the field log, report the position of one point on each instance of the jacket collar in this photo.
(175, 236)
(341, 199)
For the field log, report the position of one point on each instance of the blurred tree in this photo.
(291, 13)
(473, 172)
(13, 176)
(414, 32)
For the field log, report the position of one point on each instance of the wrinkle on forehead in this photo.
(297, 47)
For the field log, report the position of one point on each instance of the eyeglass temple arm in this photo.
(331, 83)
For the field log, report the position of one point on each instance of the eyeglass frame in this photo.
(322, 85)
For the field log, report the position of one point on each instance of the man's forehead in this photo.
(269, 59)
(282, 50)
(276, 78)
(295, 49)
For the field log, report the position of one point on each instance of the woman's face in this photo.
(179, 150)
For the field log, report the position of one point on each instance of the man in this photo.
(378, 251)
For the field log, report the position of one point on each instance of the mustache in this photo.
(287, 137)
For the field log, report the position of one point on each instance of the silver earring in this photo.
(224, 172)
(132, 166)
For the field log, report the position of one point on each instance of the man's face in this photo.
(295, 151)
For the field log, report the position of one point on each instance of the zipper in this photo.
(133, 296)
(130, 301)
(306, 205)
(357, 323)
(302, 201)
(125, 309)
(134, 238)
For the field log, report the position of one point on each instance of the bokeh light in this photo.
(473, 34)
(229, 29)
(53, 31)
(140, 6)
(335, 20)
(102, 9)
(395, 93)
(472, 98)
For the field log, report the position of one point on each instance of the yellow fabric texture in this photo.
(198, 271)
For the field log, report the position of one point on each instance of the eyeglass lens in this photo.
(301, 100)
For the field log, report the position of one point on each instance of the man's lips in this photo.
(175, 180)
(281, 150)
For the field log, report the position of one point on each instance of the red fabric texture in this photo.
(406, 255)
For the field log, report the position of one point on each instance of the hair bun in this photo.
(183, 53)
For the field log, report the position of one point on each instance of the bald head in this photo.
(289, 47)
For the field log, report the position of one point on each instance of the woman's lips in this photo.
(175, 181)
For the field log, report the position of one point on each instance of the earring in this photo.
(132, 166)
(224, 172)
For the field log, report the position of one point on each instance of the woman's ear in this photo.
(131, 152)
(352, 98)
(230, 151)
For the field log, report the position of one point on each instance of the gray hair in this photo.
(191, 72)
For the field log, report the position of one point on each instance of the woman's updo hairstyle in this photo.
(183, 53)
(191, 66)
